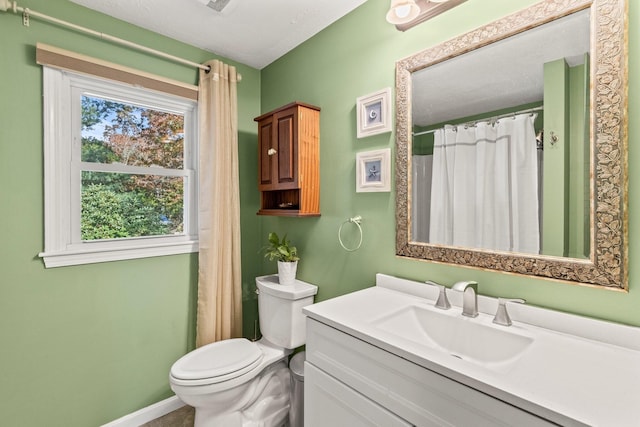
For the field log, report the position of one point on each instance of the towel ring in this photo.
(355, 220)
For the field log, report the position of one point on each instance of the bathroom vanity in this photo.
(385, 356)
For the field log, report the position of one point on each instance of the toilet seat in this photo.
(217, 362)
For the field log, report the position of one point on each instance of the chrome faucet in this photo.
(469, 291)
(443, 301)
(502, 316)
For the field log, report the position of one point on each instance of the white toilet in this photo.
(237, 382)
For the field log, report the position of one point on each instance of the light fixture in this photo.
(405, 14)
(402, 11)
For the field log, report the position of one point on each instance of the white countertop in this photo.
(578, 371)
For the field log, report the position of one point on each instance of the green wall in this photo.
(82, 346)
(356, 56)
(556, 176)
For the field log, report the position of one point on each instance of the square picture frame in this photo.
(373, 113)
(373, 171)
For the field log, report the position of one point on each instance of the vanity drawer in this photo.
(335, 404)
(416, 394)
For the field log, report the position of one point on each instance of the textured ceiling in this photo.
(252, 32)
(501, 75)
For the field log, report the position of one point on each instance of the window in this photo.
(120, 171)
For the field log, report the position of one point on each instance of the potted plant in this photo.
(286, 255)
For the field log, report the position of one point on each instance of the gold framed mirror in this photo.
(604, 263)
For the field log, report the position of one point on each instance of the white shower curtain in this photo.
(485, 186)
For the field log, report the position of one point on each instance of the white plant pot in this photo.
(287, 272)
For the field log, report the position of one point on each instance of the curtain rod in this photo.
(502, 116)
(6, 5)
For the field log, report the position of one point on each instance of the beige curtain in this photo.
(219, 279)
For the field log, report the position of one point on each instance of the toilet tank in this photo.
(280, 310)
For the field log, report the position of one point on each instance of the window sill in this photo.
(95, 255)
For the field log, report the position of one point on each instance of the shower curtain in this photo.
(485, 186)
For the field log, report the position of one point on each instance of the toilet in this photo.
(237, 382)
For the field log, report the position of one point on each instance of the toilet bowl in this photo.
(237, 382)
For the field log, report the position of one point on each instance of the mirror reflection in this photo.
(500, 144)
(580, 118)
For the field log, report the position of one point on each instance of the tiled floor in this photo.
(182, 417)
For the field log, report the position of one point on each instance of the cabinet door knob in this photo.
(271, 151)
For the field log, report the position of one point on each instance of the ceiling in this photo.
(498, 76)
(252, 32)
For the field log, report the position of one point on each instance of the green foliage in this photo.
(110, 215)
(101, 214)
(119, 205)
(96, 110)
(143, 219)
(280, 250)
(116, 182)
(94, 150)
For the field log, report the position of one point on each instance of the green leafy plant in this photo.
(280, 250)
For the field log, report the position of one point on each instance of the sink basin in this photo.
(473, 339)
(568, 369)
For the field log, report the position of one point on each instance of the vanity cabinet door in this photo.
(412, 392)
(328, 402)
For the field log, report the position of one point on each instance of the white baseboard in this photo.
(147, 414)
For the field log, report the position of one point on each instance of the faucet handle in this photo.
(442, 302)
(502, 316)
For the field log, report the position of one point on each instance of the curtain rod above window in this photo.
(7, 5)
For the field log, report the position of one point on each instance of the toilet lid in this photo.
(219, 361)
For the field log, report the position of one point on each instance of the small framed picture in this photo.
(373, 113)
(373, 171)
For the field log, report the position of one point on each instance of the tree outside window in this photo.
(122, 205)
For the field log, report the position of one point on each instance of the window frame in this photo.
(62, 91)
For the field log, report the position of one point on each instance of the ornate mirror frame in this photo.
(607, 265)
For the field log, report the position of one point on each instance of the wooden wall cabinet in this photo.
(289, 161)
